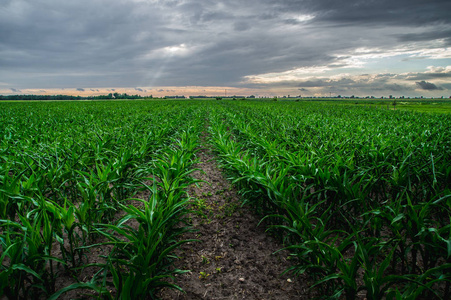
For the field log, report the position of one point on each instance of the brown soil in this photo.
(234, 258)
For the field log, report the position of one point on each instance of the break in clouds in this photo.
(311, 46)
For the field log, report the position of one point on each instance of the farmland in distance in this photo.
(358, 195)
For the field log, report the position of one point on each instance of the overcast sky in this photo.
(262, 47)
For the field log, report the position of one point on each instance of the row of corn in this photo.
(360, 198)
(68, 175)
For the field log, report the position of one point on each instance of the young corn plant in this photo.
(26, 258)
(140, 264)
(11, 199)
(18, 279)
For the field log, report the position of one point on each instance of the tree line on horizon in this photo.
(70, 97)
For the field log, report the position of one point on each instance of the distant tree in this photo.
(69, 97)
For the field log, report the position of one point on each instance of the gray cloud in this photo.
(429, 75)
(427, 86)
(241, 26)
(139, 89)
(426, 36)
(328, 83)
(367, 12)
(101, 43)
(80, 89)
(363, 83)
(395, 87)
(390, 87)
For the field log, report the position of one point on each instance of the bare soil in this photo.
(234, 258)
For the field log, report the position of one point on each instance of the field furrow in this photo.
(233, 257)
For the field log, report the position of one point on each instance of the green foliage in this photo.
(379, 176)
(67, 169)
(359, 196)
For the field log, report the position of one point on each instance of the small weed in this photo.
(205, 260)
(202, 209)
(203, 275)
(220, 192)
(228, 209)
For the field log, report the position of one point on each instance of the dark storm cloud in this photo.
(426, 36)
(370, 12)
(139, 89)
(80, 89)
(105, 43)
(85, 39)
(427, 86)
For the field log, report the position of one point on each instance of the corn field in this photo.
(68, 169)
(360, 198)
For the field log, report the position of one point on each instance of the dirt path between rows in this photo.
(234, 258)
